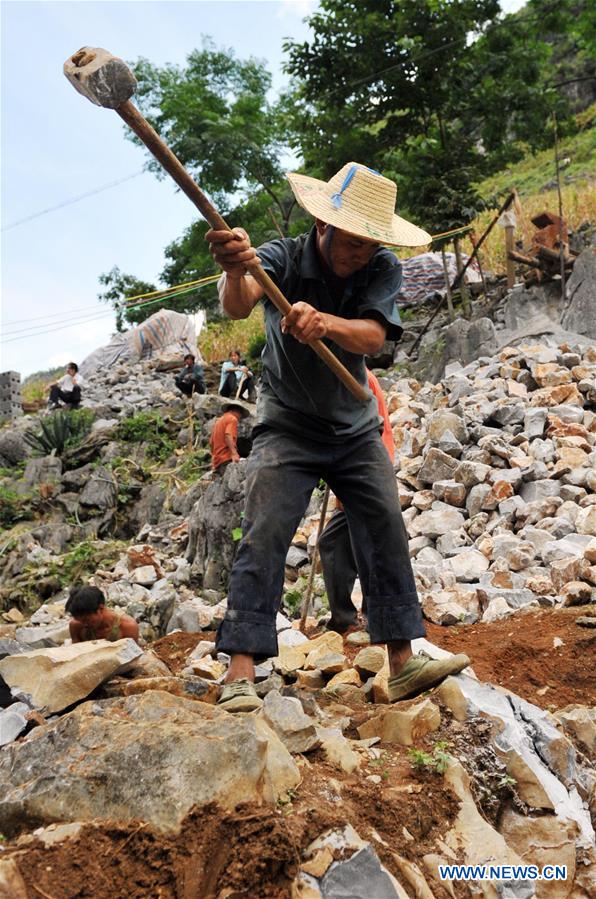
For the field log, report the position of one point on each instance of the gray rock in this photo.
(13, 722)
(286, 717)
(441, 422)
(191, 753)
(100, 490)
(524, 307)
(534, 422)
(12, 446)
(466, 341)
(542, 489)
(515, 599)
(8, 647)
(434, 524)
(212, 522)
(470, 473)
(296, 557)
(44, 470)
(437, 466)
(360, 877)
(579, 314)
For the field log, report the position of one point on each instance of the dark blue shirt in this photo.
(299, 393)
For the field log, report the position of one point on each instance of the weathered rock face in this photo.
(466, 341)
(85, 765)
(211, 544)
(57, 678)
(579, 314)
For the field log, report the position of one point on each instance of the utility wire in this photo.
(89, 193)
(162, 292)
(89, 320)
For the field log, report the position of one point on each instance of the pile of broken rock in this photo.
(497, 482)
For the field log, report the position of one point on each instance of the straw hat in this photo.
(360, 201)
(243, 407)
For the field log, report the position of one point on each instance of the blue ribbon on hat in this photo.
(336, 198)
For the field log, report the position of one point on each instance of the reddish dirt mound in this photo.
(252, 851)
(173, 649)
(520, 653)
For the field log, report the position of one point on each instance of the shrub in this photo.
(150, 428)
(60, 431)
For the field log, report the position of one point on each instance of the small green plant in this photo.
(60, 431)
(150, 428)
(437, 761)
(13, 507)
(506, 781)
(236, 534)
(293, 600)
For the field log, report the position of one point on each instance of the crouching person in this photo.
(192, 377)
(67, 389)
(92, 620)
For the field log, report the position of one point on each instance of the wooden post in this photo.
(465, 296)
(447, 285)
(510, 248)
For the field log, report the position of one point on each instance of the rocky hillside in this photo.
(119, 776)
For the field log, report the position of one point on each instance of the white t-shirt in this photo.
(69, 381)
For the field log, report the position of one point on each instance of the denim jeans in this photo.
(282, 472)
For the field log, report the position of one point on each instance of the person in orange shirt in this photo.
(335, 545)
(224, 437)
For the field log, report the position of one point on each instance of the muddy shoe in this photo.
(239, 696)
(422, 672)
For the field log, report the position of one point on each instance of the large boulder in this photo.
(579, 313)
(13, 448)
(465, 341)
(87, 764)
(56, 678)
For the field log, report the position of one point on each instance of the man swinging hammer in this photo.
(342, 283)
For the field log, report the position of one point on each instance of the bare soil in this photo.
(255, 851)
(521, 653)
(252, 851)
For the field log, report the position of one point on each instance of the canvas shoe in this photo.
(239, 696)
(421, 672)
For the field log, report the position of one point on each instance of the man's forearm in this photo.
(362, 335)
(238, 296)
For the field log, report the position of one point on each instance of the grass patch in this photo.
(218, 339)
(150, 428)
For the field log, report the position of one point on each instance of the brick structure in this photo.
(10, 395)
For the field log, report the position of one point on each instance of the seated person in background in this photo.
(192, 377)
(92, 620)
(224, 437)
(235, 374)
(67, 389)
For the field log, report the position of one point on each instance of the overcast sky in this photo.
(56, 146)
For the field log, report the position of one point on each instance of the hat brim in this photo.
(315, 197)
(237, 404)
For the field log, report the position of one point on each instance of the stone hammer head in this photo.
(104, 79)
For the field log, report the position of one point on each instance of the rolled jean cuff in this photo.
(393, 617)
(252, 633)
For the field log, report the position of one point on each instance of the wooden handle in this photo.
(174, 167)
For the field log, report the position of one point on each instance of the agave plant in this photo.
(60, 430)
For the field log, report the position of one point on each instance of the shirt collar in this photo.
(310, 266)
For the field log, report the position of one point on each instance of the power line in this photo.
(89, 193)
(162, 292)
(89, 320)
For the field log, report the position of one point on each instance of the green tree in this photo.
(433, 92)
(215, 115)
(120, 287)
